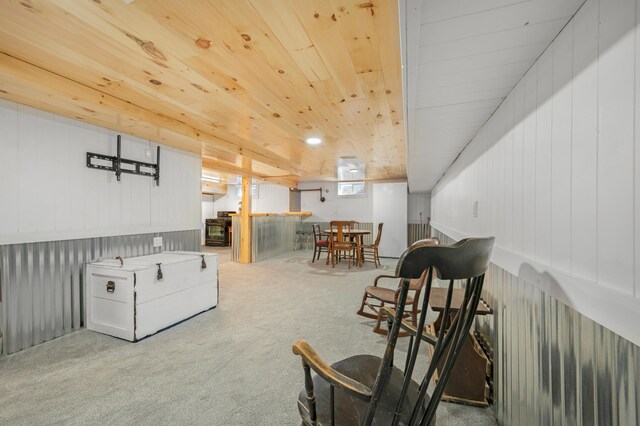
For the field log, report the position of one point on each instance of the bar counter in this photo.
(272, 234)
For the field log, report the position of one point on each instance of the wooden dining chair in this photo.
(340, 242)
(376, 297)
(357, 239)
(370, 251)
(319, 242)
(366, 389)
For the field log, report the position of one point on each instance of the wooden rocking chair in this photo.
(382, 296)
(365, 389)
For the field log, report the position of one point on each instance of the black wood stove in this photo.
(217, 230)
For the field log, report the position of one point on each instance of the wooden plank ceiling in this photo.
(228, 78)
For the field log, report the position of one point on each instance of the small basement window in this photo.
(351, 189)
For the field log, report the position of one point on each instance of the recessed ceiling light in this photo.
(314, 141)
(354, 170)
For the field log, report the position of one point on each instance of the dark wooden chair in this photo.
(382, 296)
(370, 251)
(340, 242)
(319, 242)
(365, 389)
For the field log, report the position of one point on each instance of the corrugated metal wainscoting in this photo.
(41, 284)
(417, 231)
(552, 365)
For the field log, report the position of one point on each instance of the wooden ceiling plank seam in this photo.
(316, 18)
(273, 54)
(386, 21)
(296, 84)
(284, 23)
(354, 21)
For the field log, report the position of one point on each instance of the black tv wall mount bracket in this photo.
(121, 165)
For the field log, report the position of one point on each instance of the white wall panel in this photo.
(561, 151)
(507, 221)
(518, 162)
(542, 155)
(92, 182)
(62, 159)
(28, 176)
(334, 207)
(76, 187)
(272, 199)
(390, 208)
(554, 169)
(584, 146)
(637, 161)
(46, 148)
(419, 203)
(499, 177)
(529, 162)
(9, 167)
(616, 75)
(48, 193)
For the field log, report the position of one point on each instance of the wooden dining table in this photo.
(358, 235)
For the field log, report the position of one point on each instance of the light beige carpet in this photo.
(229, 366)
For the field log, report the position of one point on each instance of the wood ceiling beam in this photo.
(214, 188)
(34, 86)
(214, 165)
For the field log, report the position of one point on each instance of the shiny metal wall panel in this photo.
(236, 225)
(272, 235)
(415, 232)
(275, 235)
(42, 284)
(552, 365)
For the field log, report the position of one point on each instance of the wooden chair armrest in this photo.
(408, 327)
(324, 370)
(375, 282)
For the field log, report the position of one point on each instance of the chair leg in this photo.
(377, 329)
(361, 311)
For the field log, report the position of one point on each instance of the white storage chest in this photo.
(142, 295)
